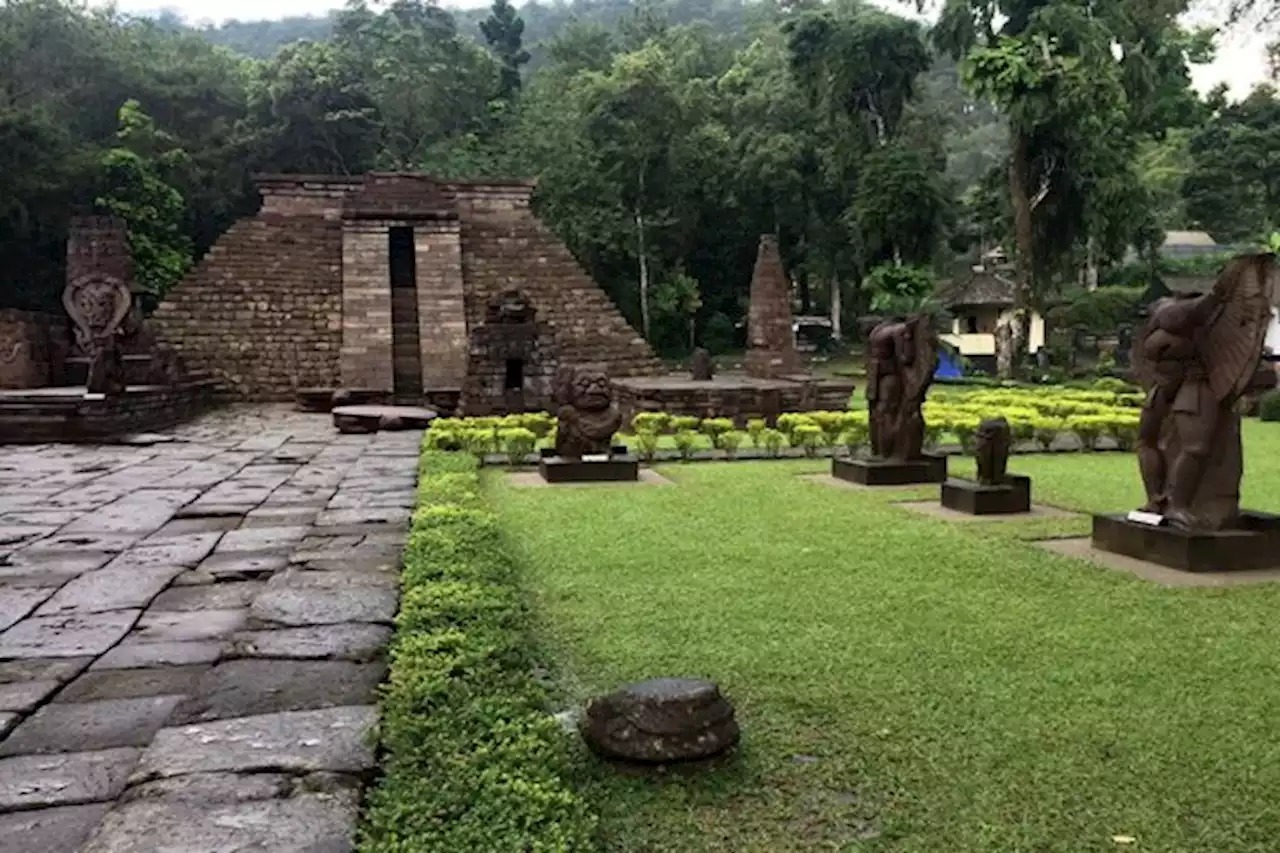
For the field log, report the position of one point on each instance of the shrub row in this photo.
(473, 761)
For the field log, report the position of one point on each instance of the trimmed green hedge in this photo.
(473, 761)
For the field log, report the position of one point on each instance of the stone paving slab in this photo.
(56, 830)
(32, 781)
(238, 572)
(330, 739)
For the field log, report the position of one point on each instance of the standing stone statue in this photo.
(703, 368)
(902, 356)
(991, 451)
(1196, 356)
(98, 304)
(588, 419)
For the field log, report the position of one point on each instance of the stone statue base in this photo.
(932, 468)
(616, 469)
(974, 498)
(661, 721)
(1253, 544)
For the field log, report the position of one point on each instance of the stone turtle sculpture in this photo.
(661, 721)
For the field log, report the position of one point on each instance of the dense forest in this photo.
(665, 135)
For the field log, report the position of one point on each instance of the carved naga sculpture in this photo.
(98, 305)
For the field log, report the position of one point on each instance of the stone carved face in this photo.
(97, 303)
(590, 391)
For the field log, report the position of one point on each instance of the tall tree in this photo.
(504, 32)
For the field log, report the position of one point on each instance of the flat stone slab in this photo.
(184, 626)
(371, 418)
(218, 596)
(364, 515)
(306, 823)
(71, 727)
(33, 781)
(24, 696)
(301, 606)
(37, 669)
(937, 510)
(243, 566)
(134, 683)
(533, 480)
(66, 636)
(110, 589)
(130, 655)
(351, 642)
(111, 542)
(56, 830)
(239, 688)
(931, 468)
(262, 539)
(330, 739)
(17, 603)
(1082, 549)
(186, 549)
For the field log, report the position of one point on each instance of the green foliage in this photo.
(755, 429)
(729, 442)
(504, 32)
(686, 441)
(1233, 190)
(648, 442)
(715, 427)
(789, 422)
(460, 705)
(1105, 310)
(518, 443)
(1269, 406)
(808, 436)
(898, 288)
(684, 423)
(773, 441)
(650, 422)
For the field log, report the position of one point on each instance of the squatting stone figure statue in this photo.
(1196, 356)
(588, 419)
(901, 359)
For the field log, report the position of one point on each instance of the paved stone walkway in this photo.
(191, 634)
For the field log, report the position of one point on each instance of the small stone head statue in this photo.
(992, 443)
(703, 368)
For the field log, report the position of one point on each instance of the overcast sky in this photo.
(1240, 63)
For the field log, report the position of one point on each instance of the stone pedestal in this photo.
(932, 468)
(974, 498)
(1254, 544)
(616, 469)
(314, 399)
(661, 721)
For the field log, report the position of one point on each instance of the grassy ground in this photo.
(906, 684)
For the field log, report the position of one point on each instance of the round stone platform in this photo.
(365, 419)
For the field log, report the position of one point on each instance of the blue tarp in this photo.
(948, 366)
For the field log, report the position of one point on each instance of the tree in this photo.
(503, 31)
(1233, 187)
(134, 187)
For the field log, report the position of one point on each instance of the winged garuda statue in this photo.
(902, 355)
(1195, 357)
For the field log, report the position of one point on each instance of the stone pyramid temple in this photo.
(398, 285)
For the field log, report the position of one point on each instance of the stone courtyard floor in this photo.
(191, 634)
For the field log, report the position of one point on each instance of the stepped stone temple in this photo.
(399, 286)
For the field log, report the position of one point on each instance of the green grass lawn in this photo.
(906, 684)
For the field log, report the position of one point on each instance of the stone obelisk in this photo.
(771, 350)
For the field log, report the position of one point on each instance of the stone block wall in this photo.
(33, 348)
(442, 313)
(366, 307)
(262, 312)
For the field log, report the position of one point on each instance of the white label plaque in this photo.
(595, 457)
(1151, 519)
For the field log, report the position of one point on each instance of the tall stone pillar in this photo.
(771, 350)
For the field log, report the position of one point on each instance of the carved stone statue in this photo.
(1196, 356)
(991, 451)
(98, 305)
(588, 419)
(511, 308)
(703, 368)
(902, 356)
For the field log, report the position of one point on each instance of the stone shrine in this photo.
(1197, 357)
(399, 287)
(771, 349)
